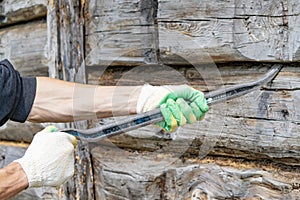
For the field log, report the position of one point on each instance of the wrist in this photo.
(20, 175)
(15, 180)
(151, 97)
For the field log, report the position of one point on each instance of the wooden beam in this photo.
(229, 30)
(66, 23)
(22, 11)
(122, 174)
(13, 131)
(25, 46)
(183, 33)
(121, 33)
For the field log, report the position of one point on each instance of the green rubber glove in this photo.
(177, 111)
(179, 104)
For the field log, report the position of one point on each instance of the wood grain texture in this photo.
(120, 174)
(14, 12)
(180, 32)
(25, 46)
(229, 30)
(247, 148)
(13, 131)
(67, 48)
(121, 32)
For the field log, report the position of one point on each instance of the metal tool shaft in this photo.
(140, 120)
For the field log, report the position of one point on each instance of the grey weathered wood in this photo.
(261, 127)
(198, 31)
(25, 47)
(13, 12)
(68, 64)
(13, 131)
(120, 174)
(229, 30)
(10, 153)
(121, 32)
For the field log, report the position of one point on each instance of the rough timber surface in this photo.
(120, 31)
(185, 32)
(13, 131)
(21, 11)
(68, 64)
(122, 174)
(229, 30)
(25, 46)
(251, 142)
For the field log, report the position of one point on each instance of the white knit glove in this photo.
(151, 96)
(49, 160)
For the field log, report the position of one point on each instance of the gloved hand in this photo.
(173, 102)
(49, 160)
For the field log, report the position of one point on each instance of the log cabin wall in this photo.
(246, 148)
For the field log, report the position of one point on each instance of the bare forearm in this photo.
(60, 101)
(12, 180)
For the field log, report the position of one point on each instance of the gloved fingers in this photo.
(196, 110)
(186, 110)
(74, 141)
(170, 123)
(65, 137)
(49, 160)
(53, 129)
(201, 103)
(70, 138)
(189, 94)
(202, 117)
(176, 112)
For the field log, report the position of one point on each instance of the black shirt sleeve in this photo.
(16, 94)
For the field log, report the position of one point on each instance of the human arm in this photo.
(44, 99)
(50, 100)
(66, 101)
(12, 180)
(62, 101)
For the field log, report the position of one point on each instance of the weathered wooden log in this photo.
(121, 33)
(252, 142)
(22, 11)
(67, 45)
(191, 32)
(13, 131)
(25, 47)
(229, 30)
(121, 174)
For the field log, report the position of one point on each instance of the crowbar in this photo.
(140, 120)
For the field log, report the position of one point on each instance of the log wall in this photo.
(246, 148)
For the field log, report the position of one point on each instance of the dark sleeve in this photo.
(16, 94)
